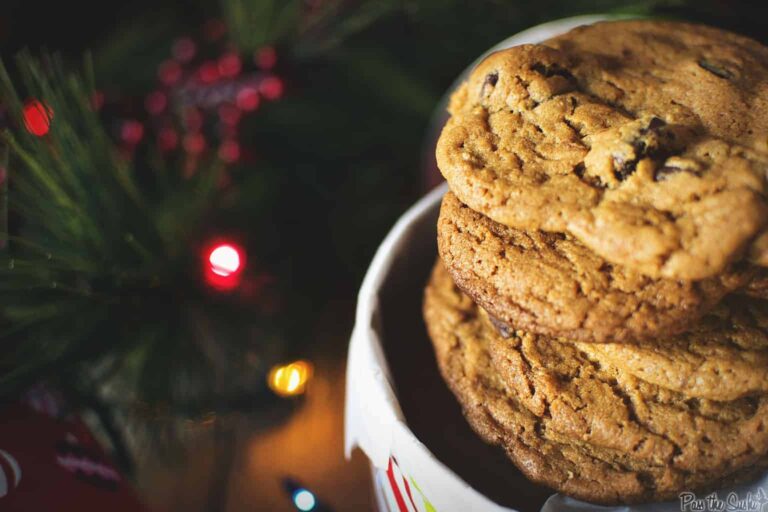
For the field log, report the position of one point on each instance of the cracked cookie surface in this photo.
(550, 283)
(612, 412)
(596, 462)
(645, 140)
(723, 357)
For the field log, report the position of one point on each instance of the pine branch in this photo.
(94, 268)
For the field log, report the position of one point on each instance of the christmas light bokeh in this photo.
(290, 379)
(223, 265)
(37, 117)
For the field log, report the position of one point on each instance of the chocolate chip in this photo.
(491, 79)
(552, 70)
(503, 328)
(655, 123)
(662, 173)
(592, 181)
(715, 69)
(623, 168)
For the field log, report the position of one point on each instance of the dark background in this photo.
(79, 24)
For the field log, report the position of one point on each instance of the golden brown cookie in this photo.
(645, 140)
(723, 357)
(550, 283)
(757, 286)
(611, 411)
(594, 462)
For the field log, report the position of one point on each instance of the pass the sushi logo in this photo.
(403, 493)
(733, 502)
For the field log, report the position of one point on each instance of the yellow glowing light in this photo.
(290, 379)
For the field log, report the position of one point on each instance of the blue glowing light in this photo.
(304, 500)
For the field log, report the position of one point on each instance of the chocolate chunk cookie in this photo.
(618, 415)
(550, 283)
(645, 140)
(724, 357)
(597, 462)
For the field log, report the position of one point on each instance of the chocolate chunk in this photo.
(606, 267)
(715, 69)
(552, 70)
(504, 329)
(655, 123)
(623, 168)
(491, 79)
(593, 181)
(662, 173)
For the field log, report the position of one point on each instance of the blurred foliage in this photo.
(100, 271)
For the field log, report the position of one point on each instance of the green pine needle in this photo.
(94, 269)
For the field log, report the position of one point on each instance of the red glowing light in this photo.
(156, 102)
(265, 58)
(194, 143)
(37, 117)
(209, 72)
(229, 151)
(169, 72)
(224, 260)
(271, 88)
(168, 139)
(248, 99)
(184, 49)
(223, 266)
(230, 65)
(131, 132)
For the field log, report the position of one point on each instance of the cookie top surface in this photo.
(646, 140)
(550, 283)
(593, 463)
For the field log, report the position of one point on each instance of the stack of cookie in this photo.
(596, 308)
